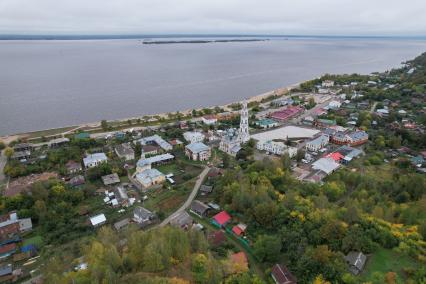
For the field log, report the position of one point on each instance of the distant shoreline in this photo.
(201, 41)
(148, 36)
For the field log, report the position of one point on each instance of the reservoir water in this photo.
(54, 83)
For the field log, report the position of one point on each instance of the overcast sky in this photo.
(313, 17)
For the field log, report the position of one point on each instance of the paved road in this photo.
(191, 197)
(373, 107)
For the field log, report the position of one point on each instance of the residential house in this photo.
(349, 153)
(221, 219)
(58, 142)
(198, 151)
(282, 275)
(125, 151)
(6, 273)
(7, 250)
(150, 177)
(94, 160)
(73, 167)
(143, 217)
(356, 262)
(182, 220)
(25, 225)
(199, 208)
(193, 136)
(111, 179)
(121, 224)
(21, 147)
(21, 155)
(10, 227)
(206, 189)
(318, 143)
(239, 230)
(150, 150)
(77, 180)
(98, 220)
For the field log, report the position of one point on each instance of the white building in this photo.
(94, 160)
(231, 141)
(98, 220)
(327, 165)
(145, 163)
(209, 119)
(327, 84)
(193, 136)
(244, 134)
(334, 105)
(198, 151)
(318, 143)
(277, 148)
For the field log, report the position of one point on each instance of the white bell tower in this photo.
(244, 135)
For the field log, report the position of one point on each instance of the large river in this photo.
(47, 84)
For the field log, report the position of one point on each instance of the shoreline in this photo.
(71, 128)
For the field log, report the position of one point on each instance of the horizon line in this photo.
(15, 36)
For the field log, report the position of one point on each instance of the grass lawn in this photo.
(385, 260)
(168, 200)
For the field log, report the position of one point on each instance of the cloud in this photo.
(332, 17)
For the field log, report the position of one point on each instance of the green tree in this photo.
(8, 152)
(138, 150)
(267, 248)
(104, 125)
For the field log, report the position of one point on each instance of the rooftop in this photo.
(197, 147)
(290, 132)
(155, 159)
(98, 219)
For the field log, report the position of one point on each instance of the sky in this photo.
(280, 17)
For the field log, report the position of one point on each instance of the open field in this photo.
(386, 260)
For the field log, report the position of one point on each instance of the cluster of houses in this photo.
(12, 250)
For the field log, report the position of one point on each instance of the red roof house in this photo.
(336, 156)
(221, 218)
(239, 229)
